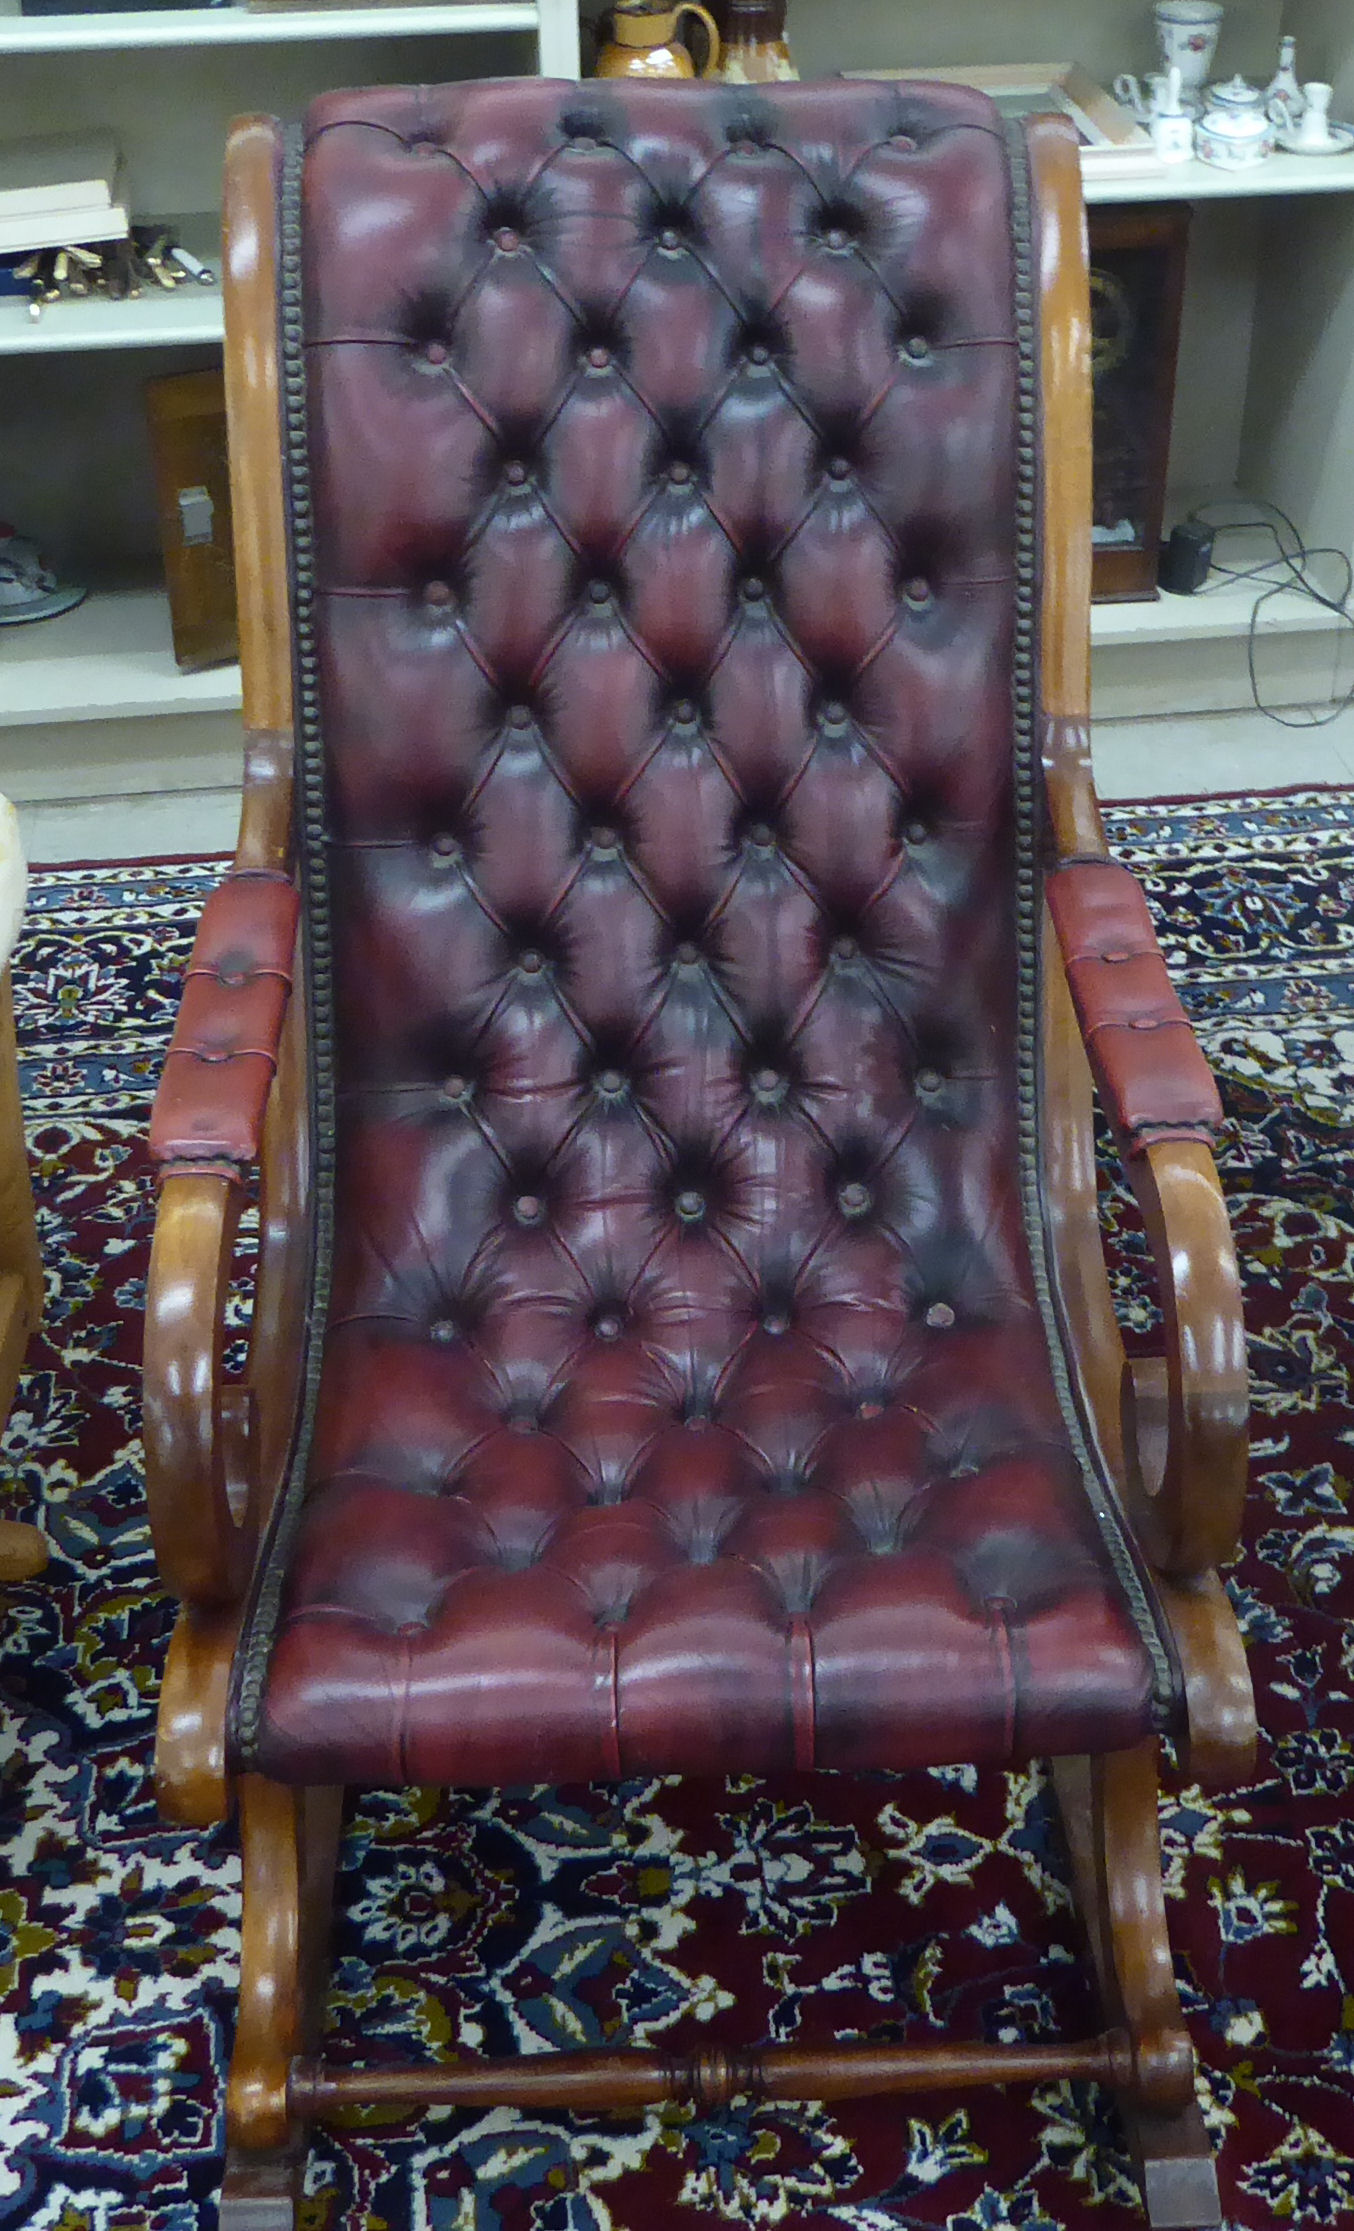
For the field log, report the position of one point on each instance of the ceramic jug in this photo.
(644, 42)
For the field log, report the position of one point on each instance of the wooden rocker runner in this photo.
(682, 1340)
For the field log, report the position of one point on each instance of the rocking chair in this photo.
(682, 1341)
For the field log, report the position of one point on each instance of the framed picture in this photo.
(1137, 284)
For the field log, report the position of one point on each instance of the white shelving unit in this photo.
(1279, 175)
(79, 690)
(1265, 400)
(113, 653)
(121, 30)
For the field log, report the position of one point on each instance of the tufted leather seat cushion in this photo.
(686, 1402)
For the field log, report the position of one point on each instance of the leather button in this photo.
(610, 1083)
(684, 712)
(531, 962)
(928, 1080)
(669, 239)
(520, 717)
(528, 1210)
(918, 593)
(598, 358)
(869, 1407)
(521, 1421)
(838, 469)
(234, 979)
(456, 1089)
(775, 1321)
(835, 237)
(833, 714)
(753, 589)
(768, 1084)
(515, 473)
(610, 1326)
(599, 592)
(679, 473)
(916, 832)
(437, 594)
(940, 1316)
(690, 1205)
(581, 143)
(845, 949)
(435, 352)
(1143, 1022)
(854, 1199)
(914, 348)
(443, 1331)
(687, 953)
(761, 836)
(904, 142)
(758, 353)
(423, 147)
(507, 240)
(604, 839)
(445, 850)
(743, 147)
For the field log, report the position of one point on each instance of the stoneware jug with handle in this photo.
(646, 42)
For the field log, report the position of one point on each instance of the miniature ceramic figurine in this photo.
(644, 42)
(1187, 34)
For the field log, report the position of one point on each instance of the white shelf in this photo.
(1222, 611)
(109, 659)
(1278, 174)
(188, 317)
(237, 26)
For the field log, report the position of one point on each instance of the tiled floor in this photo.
(1209, 754)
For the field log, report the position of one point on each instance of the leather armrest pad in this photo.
(219, 1069)
(1153, 1080)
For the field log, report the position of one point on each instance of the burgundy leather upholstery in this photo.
(223, 1056)
(686, 1403)
(1153, 1080)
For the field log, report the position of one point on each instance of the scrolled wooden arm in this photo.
(196, 1427)
(1185, 1415)
(216, 1118)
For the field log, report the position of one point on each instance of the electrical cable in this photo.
(1294, 576)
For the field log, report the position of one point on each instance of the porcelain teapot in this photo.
(1237, 126)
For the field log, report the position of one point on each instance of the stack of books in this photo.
(60, 192)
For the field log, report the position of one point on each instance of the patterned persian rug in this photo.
(813, 1908)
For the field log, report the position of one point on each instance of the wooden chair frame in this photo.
(1173, 1432)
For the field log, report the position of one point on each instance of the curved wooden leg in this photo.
(1109, 1815)
(289, 1847)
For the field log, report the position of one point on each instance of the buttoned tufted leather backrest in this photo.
(663, 455)
(663, 444)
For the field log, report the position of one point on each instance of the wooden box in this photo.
(187, 414)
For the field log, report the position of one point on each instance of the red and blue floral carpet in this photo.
(814, 1908)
